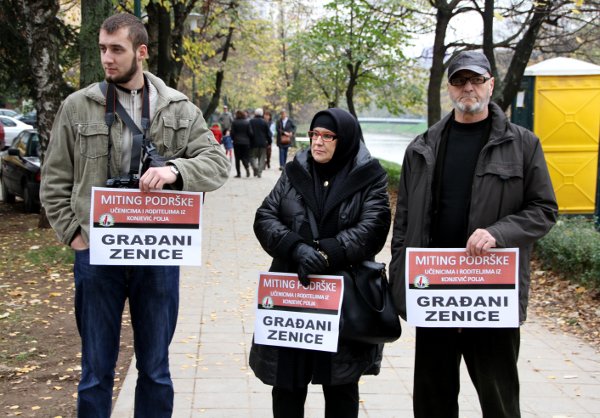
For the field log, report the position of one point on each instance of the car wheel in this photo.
(7, 196)
(29, 199)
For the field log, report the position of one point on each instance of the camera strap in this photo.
(112, 105)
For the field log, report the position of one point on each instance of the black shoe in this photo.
(237, 175)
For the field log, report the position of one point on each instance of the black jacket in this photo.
(260, 134)
(240, 132)
(512, 197)
(289, 127)
(281, 223)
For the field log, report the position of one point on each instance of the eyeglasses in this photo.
(313, 135)
(476, 79)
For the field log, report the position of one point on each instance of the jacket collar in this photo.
(365, 171)
(166, 94)
(499, 129)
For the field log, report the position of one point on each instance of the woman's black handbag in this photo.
(368, 311)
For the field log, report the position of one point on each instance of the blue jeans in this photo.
(283, 151)
(100, 294)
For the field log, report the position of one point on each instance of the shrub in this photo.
(393, 172)
(572, 248)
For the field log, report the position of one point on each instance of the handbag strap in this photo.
(313, 225)
(315, 233)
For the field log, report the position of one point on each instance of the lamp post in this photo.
(194, 20)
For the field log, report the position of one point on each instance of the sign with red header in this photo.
(130, 227)
(291, 315)
(445, 287)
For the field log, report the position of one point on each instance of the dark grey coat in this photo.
(512, 197)
(364, 219)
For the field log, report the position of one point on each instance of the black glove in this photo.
(309, 261)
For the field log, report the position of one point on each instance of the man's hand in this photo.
(480, 242)
(155, 178)
(78, 244)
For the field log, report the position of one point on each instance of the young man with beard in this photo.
(475, 181)
(84, 152)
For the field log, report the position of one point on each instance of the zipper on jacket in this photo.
(134, 94)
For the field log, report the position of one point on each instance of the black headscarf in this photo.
(326, 176)
(349, 135)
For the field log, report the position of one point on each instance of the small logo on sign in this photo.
(267, 302)
(421, 281)
(106, 219)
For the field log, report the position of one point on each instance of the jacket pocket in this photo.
(175, 133)
(93, 140)
(500, 190)
(504, 171)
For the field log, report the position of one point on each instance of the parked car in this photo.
(9, 112)
(30, 118)
(20, 173)
(12, 128)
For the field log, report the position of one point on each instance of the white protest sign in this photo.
(159, 228)
(291, 315)
(447, 288)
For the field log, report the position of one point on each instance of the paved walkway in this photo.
(560, 376)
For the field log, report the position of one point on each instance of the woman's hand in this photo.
(309, 261)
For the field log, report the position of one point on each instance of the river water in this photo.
(387, 146)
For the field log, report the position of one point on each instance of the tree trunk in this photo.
(165, 32)
(159, 33)
(93, 13)
(284, 60)
(152, 29)
(165, 63)
(352, 77)
(518, 63)
(180, 13)
(43, 44)
(214, 101)
(436, 72)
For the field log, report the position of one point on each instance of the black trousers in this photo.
(241, 153)
(341, 401)
(490, 355)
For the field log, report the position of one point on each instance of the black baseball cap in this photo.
(469, 60)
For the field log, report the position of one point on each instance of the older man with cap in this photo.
(475, 181)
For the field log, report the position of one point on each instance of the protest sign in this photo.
(130, 227)
(291, 315)
(447, 288)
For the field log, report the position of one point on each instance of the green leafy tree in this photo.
(166, 25)
(208, 49)
(357, 51)
(254, 70)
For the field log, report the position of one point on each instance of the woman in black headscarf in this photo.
(346, 191)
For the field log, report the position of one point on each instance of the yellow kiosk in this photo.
(564, 94)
